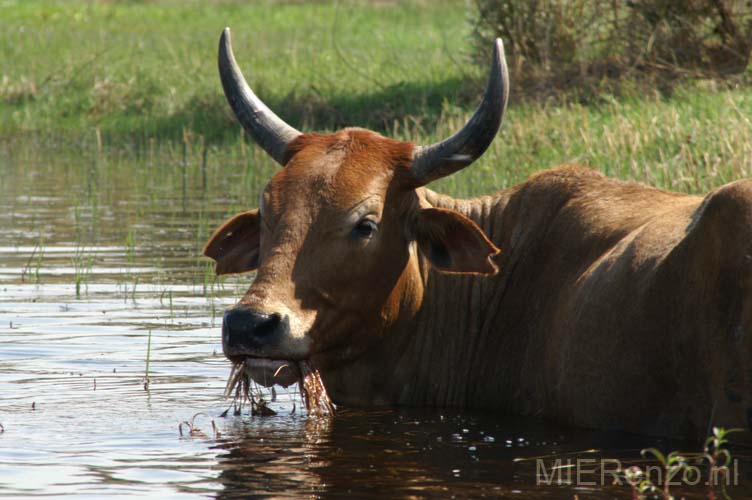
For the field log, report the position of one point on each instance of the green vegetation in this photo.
(113, 112)
(678, 468)
(587, 45)
(138, 79)
(148, 361)
(148, 69)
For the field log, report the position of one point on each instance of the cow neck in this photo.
(451, 331)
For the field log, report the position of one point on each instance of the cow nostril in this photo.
(236, 320)
(266, 326)
(245, 327)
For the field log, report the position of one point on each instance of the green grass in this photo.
(139, 80)
(149, 68)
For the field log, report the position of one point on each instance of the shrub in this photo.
(551, 43)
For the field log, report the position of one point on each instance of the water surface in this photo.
(99, 258)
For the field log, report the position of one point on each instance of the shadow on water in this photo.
(411, 454)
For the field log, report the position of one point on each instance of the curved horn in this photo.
(460, 150)
(267, 129)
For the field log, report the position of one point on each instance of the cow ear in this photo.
(235, 245)
(453, 243)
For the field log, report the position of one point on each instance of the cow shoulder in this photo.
(722, 224)
(730, 204)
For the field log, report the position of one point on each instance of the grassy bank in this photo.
(139, 78)
(150, 67)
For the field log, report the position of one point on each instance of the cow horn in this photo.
(460, 150)
(267, 129)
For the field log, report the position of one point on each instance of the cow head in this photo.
(343, 236)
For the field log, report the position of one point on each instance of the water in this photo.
(99, 252)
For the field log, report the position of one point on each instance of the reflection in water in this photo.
(401, 453)
(98, 255)
(275, 455)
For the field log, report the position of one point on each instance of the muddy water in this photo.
(99, 264)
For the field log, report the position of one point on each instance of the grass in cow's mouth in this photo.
(314, 393)
(241, 388)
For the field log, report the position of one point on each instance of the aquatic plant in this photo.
(715, 454)
(83, 263)
(193, 430)
(148, 362)
(719, 458)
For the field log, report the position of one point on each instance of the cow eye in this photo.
(364, 229)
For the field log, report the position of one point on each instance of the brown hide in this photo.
(615, 305)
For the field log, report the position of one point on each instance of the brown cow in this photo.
(574, 297)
